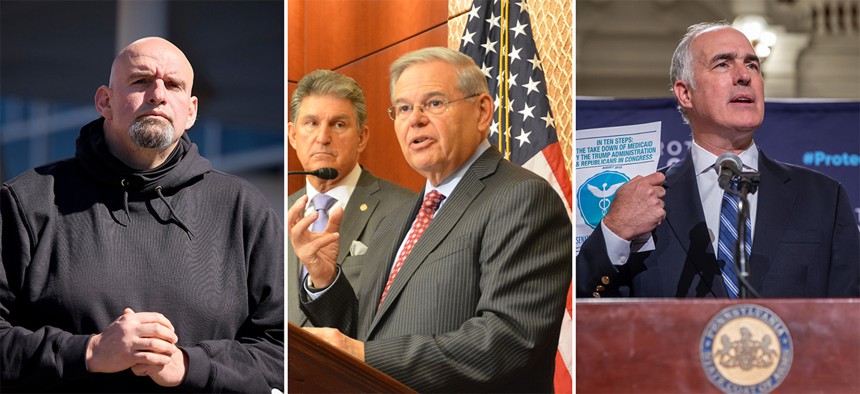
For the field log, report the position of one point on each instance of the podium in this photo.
(314, 366)
(656, 345)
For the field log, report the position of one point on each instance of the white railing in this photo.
(831, 17)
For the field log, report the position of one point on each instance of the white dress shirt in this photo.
(341, 192)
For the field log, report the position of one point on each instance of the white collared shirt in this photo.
(341, 192)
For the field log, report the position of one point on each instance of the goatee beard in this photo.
(151, 133)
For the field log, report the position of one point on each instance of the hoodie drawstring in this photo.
(124, 184)
(173, 214)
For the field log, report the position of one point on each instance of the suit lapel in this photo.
(443, 223)
(382, 257)
(294, 268)
(361, 205)
(776, 197)
(686, 221)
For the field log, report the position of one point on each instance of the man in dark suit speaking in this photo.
(464, 290)
(669, 234)
(328, 129)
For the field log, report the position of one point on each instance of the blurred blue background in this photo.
(55, 54)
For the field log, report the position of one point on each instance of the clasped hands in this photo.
(144, 342)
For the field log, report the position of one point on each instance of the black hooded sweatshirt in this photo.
(86, 237)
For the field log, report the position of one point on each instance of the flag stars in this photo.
(526, 112)
(532, 86)
(520, 28)
(467, 38)
(524, 6)
(486, 70)
(515, 54)
(489, 46)
(493, 20)
(512, 81)
(473, 13)
(550, 122)
(494, 128)
(535, 61)
(498, 101)
(523, 138)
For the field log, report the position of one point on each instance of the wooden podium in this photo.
(314, 366)
(653, 346)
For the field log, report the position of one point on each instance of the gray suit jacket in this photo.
(479, 301)
(371, 201)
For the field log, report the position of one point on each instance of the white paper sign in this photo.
(607, 158)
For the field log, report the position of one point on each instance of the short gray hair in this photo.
(682, 60)
(470, 78)
(330, 83)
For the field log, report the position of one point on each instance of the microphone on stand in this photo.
(728, 165)
(325, 173)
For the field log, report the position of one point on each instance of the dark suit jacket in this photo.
(371, 201)
(806, 242)
(479, 301)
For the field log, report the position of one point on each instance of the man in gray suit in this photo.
(327, 129)
(465, 291)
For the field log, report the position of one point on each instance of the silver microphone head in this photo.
(731, 158)
(728, 164)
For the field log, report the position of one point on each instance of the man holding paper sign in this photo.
(668, 234)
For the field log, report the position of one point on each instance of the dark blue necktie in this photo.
(728, 238)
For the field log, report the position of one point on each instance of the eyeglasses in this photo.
(432, 107)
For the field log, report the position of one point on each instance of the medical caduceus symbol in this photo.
(604, 195)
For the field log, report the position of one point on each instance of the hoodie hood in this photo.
(182, 167)
(184, 164)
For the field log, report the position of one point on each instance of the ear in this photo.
(683, 91)
(363, 137)
(192, 113)
(485, 114)
(291, 134)
(102, 101)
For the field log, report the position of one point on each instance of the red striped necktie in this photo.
(425, 215)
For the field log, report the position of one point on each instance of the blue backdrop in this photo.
(824, 136)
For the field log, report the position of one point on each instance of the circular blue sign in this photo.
(596, 194)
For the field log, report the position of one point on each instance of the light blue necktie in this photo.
(322, 202)
(728, 238)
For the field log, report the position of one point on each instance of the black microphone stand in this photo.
(747, 183)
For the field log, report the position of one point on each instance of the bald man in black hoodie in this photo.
(134, 266)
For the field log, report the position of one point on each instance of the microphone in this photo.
(325, 173)
(728, 165)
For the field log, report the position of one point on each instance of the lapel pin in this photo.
(363, 207)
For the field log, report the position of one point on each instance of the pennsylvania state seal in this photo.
(746, 349)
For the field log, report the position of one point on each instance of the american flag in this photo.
(498, 37)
